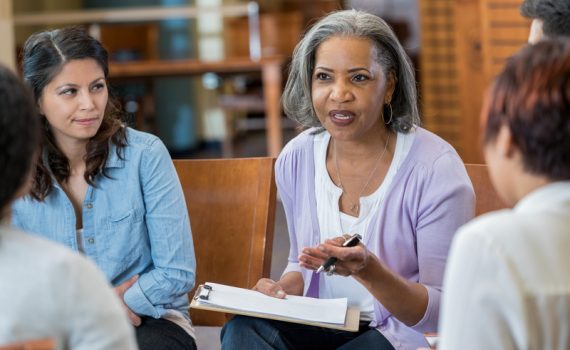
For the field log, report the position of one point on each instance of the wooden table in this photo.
(270, 68)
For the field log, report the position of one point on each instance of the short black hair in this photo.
(531, 96)
(555, 15)
(19, 134)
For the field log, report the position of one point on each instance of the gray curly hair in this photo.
(297, 102)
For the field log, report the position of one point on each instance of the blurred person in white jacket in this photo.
(47, 290)
(507, 284)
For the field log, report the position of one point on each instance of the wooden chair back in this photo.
(38, 344)
(486, 197)
(231, 203)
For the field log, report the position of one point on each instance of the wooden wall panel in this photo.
(438, 73)
(504, 31)
(471, 78)
(465, 43)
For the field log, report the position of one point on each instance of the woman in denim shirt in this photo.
(107, 190)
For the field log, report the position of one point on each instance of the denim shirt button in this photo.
(91, 240)
(89, 205)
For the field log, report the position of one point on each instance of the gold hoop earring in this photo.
(391, 114)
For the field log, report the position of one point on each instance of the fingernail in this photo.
(280, 293)
(321, 248)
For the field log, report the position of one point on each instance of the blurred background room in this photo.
(206, 76)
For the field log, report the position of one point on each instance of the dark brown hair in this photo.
(44, 56)
(19, 135)
(531, 97)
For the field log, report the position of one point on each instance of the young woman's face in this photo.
(349, 87)
(74, 101)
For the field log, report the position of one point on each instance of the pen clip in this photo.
(203, 292)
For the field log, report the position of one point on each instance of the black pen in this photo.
(352, 241)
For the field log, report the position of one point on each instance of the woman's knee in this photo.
(240, 326)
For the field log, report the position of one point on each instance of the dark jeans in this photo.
(255, 333)
(161, 334)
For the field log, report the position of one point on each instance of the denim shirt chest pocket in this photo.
(124, 235)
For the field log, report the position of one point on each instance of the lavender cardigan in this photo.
(429, 198)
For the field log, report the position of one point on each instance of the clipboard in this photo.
(202, 300)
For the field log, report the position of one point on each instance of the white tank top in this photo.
(333, 223)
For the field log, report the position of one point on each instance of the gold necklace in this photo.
(355, 207)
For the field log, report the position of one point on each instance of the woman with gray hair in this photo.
(363, 166)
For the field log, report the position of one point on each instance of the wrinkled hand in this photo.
(350, 260)
(120, 290)
(270, 287)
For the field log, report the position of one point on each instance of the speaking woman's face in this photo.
(349, 87)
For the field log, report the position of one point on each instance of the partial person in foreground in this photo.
(507, 284)
(106, 190)
(47, 290)
(363, 166)
(550, 18)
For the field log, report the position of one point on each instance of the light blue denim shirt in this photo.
(134, 223)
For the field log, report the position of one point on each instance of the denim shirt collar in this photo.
(113, 160)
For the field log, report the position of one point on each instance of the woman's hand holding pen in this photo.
(350, 260)
(406, 300)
